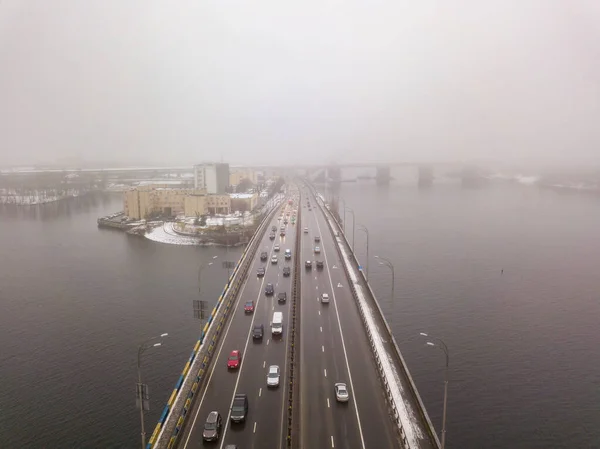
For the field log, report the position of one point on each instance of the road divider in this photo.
(173, 418)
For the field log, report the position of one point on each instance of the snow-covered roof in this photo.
(243, 196)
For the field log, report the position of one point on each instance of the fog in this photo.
(155, 82)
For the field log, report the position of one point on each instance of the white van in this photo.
(277, 323)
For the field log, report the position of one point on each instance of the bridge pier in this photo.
(425, 175)
(382, 176)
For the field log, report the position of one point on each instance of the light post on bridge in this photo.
(353, 222)
(344, 209)
(200, 269)
(366, 231)
(441, 345)
(390, 265)
(142, 396)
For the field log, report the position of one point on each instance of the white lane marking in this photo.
(268, 341)
(284, 395)
(222, 343)
(259, 392)
(321, 328)
(325, 371)
(322, 348)
(264, 363)
(317, 287)
(332, 445)
(254, 431)
(237, 380)
(328, 405)
(337, 314)
(319, 312)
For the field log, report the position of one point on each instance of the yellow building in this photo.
(143, 202)
(237, 174)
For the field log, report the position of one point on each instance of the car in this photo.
(273, 228)
(273, 259)
(286, 271)
(258, 331)
(276, 248)
(308, 264)
(239, 408)
(317, 250)
(264, 256)
(269, 290)
(272, 236)
(309, 208)
(260, 272)
(317, 239)
(212, 427)
(325, 298)
(285, 221)
(282, 297)
(306, 230)
(319, 264)
(249, 307)
(282, 233)
(288, 254)
(341, 392)
(273, 376)
(235, 359)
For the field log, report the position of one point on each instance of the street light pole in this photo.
(141, 388)
(440, 344)
(364, 228)
(353, 222)
(343, 222)
(389, 264)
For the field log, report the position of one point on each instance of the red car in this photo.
(249, 307)
(234, 360)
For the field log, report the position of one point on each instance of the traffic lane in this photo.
(235, 331)
(378, 429)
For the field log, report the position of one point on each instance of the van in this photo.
(288, 254)
(277, 323)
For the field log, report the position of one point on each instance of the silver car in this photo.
(273, 376)
(212, 427)
(341, 392)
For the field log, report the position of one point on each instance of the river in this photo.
(77, 300)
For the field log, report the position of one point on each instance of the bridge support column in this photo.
(425, 175)
(382, 176)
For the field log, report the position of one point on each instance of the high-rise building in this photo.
(214, 177)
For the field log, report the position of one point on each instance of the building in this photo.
(147, 201)
(237, 174)
(243, 202)
(213, 177)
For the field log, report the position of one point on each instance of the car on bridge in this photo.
(282, 297)
(260, 272)
(273, 376)
(277, 248)
(306, 230)
(341, 392)
(274, 228)
(235, 359)
(274, 259)
(319, 264)
(212, 427)
(264, 256)
(286, 271)
(317, 250)
(269, 290)
(308, 265)
(249, 307)
(325, 298)
(282, 233)
(258, 331)
(272, 236)
(239, 409)
(317, 239)
(288, 254)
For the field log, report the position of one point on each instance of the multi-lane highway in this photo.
(334, 348)
(265, 422)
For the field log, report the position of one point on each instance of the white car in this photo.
(317, 250)
(341, 392)
(273, 376)
(274, 259)
(276, 248)
(325, 298)
(306, 230)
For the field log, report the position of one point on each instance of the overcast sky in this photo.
(151, 82)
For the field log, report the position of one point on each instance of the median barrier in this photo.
(382, 375)
(187, 386)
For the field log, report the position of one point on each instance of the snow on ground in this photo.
(166, 234)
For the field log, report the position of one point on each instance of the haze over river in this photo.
(77, 300)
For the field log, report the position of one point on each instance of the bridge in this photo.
(343, 340)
